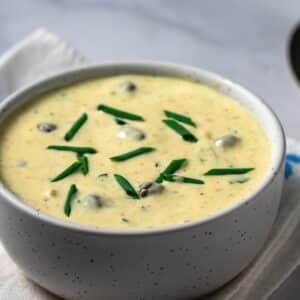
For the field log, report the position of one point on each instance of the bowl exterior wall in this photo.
(181, 264)
(172, 264)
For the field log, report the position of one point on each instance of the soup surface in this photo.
(189, 152)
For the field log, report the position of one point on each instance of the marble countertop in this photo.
(243, 40)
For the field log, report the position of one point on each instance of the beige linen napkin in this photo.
(42, 53)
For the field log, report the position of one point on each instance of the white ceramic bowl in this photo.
(175, 262)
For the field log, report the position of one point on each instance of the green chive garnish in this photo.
(102, 175)
(70, 197)
(84, 164)
(79, 150)
(126, 186)
(178, 128)
(176, 178)
(180, 118)
(228, 171)
(131, 154)
(119, 113)
(173, 166)
(68, 171)
(120, 121)
(75, 127)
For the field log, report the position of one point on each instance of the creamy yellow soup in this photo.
(222, 135)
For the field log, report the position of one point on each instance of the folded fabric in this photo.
(40, 54)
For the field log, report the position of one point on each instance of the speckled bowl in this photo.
(175, 262)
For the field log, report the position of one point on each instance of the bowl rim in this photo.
(156, 67)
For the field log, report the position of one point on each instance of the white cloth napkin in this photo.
(43, 53)
(37, 56)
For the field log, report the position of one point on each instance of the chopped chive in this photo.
(120, 121)
(180, 118)
(176, 178)
(131, 154)
(228, 171)
(173, 166)
(119, 113)
(75, 127)
(102, 175)
(68, 171)
(70, 197)
(126, 186)
(79, 150)
(84, 164)
(125, 220)
(178, 128)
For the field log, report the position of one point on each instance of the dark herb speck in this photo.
(120, 121)
(102, 175)
(239, 180)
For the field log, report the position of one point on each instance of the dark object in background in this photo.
(294, 52)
